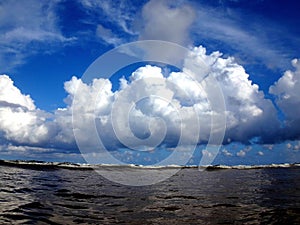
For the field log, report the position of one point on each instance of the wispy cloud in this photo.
(254, 42)
(108, 36)
(241, 33)
(31, 22)
(161, 20)
(113, 21)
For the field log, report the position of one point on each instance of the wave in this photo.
(33, 164)
(245, 167)
(44, 165)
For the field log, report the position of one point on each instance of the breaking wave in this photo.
(67, 165)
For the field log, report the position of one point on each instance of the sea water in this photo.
(73, 195)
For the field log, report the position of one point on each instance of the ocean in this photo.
(35, 193)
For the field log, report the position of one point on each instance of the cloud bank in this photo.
(151, 121)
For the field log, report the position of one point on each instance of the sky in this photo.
(233, 99)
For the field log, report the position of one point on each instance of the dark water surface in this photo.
(64, 196)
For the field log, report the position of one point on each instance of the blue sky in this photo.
(44, 44)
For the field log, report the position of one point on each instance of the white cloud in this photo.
(287, 92)
(206, 153)
(20, 121)
(9, 94)
(226, 152)
(247, 110)
(255, 42)
(137, 105)
(15, 148)
(241, 153)
(260, 153)
(91, 100)
(150, 108)
(107, 35)
(269, 146)
(20, 34)
(119, 12)
(31, 21)
(183, 22)
(167, 21)
(160, 20)
(23, 124)
(189, 22)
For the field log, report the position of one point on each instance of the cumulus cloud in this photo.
(151, 108)
(179, 99)
(248, 113)
(11, 95)
(20, 121)
(287, 92)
